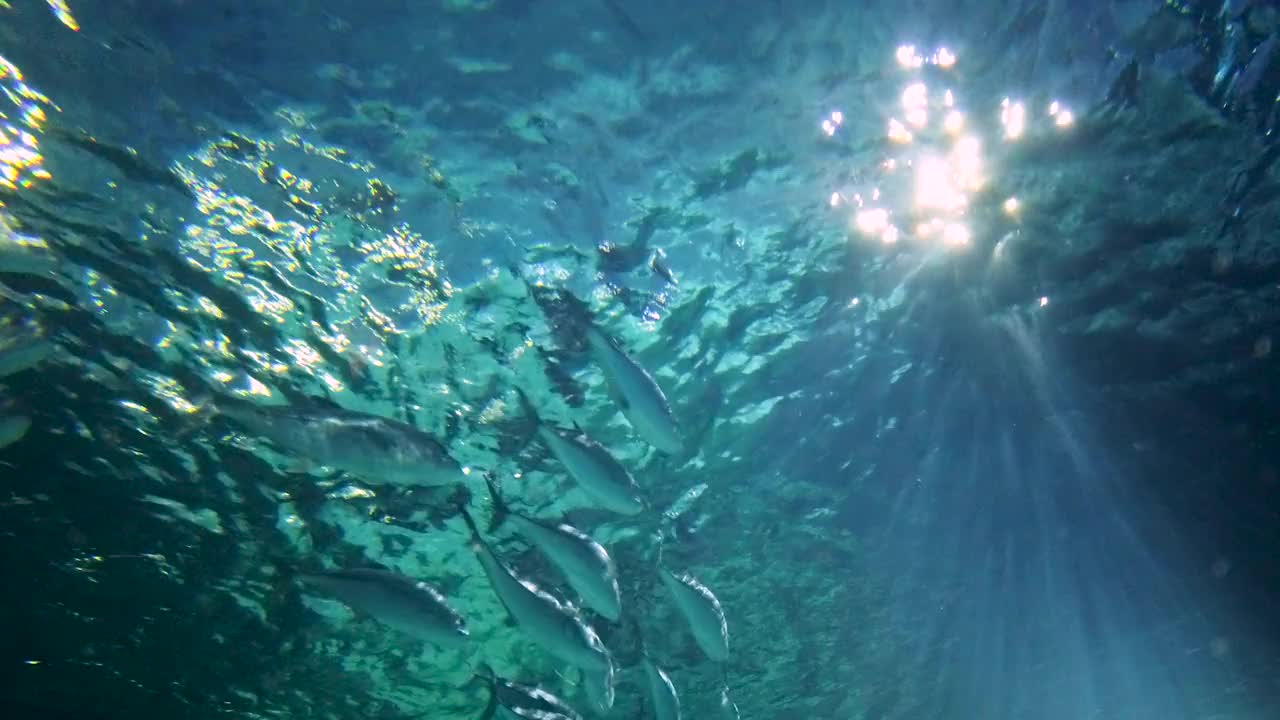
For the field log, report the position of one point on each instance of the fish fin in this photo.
(299, 466)
(470, 521)
(565, 312)
(566, 679)
(618, 398)
(205, 410)
(728, 706)
(633, 625)
(487, 674)
(500, 508)
(523, 429)
(527, 407)
(323, 401)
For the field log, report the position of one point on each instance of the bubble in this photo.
(1262, 347)
(1219, 647)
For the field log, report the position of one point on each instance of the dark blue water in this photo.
(965, 313)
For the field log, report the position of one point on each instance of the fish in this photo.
(13, 428)
(375, 448)
(636, 393)
(702, 611)
(397, 601)
(23, 352)
(584, 563)
(609, 485)
(514, 701)
(549, 623)
(658, 264)
(662, 693)
(23, 255)
(601, 688)
(630, 386)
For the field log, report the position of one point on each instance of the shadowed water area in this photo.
(501, 358)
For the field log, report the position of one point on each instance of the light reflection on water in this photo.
(938, 162)
(21, 163)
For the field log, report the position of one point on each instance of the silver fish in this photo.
(25, 255)
(636, 393)
(397, 601)
(514, 701)
(601, 688)
(552, 625)
(13, 428)
(22, 352)
(375, 448)
(702, 611)
(662, 693)
(609, 485)
(583, 562)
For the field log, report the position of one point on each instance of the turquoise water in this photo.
(962, 313)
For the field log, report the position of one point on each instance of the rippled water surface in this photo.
(964, 313)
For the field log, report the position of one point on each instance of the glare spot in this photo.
(333, 383)
(954, 122)
(136, 407)
(1062, 117)
(466, 471)
(948, 99)
(898, 132)
(1013, 116)
(1011, 206)
(63, 13)
(915, 102)
(1044, 300)
(872, 221)
(955, 234)
(926, 230)
(967, 162)
(907, 56)
(944, 58)
(934, 189)
(890, 235)
(835, 199)
(257, 388)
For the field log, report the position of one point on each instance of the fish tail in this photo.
(527, 406)
(470, 521)
(527, 427)
(204, 408)
(500, 508)
(486, 673)
(727, 705)
(566, 313)
(631, 622)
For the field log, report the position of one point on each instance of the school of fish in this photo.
(382, 450)
(386, 451)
